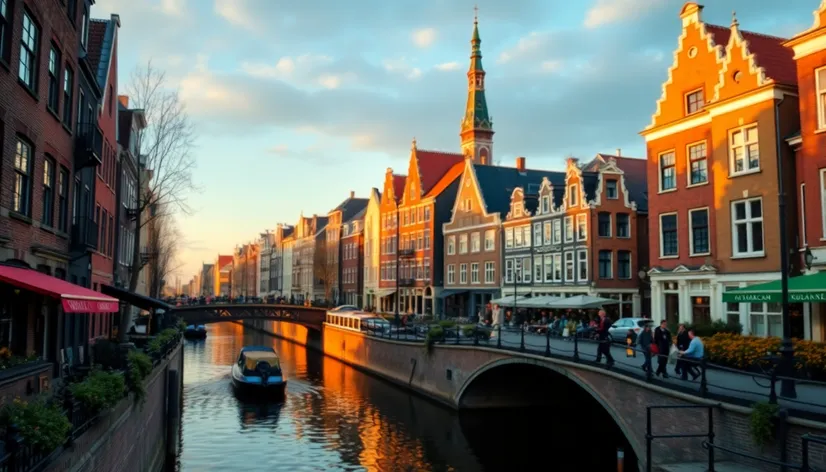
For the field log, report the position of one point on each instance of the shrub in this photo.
(745, 352)
(42, 425)
(447, 323)
(435, 333)
(157, 344)
(762, 423)
(140, 366)
(100, 391)
(107, 354)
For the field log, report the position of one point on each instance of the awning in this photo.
(141, 301)
(450, 293)
(803, 288)
(508, 300)
(539, 302)
(385, 292)
(75, 299)
(582, 302)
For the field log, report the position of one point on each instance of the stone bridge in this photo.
(310, 317)
(466, 377)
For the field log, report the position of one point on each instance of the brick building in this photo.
(392, 191)
(713, 173)
(336, 219)
(372, 249)
(352, 259)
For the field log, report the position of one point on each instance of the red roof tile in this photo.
(97, 31)
(398, 186)
(223, 261)
(769, 53)
(433, 165)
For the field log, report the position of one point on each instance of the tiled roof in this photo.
(224, 260)
(433, 165)
(350, 207)
(769, 52)
(287, 232)
(94, 47)
(358, 216)
(636, 177)
(398, 185)
(498, 183)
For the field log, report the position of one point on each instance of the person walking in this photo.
(662, 338)
(644, 341)
(682, 344)
(692, 356)
(604, 346)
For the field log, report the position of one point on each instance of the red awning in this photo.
(75, 299)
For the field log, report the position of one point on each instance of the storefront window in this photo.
(700, 310)
(766, 319)
(672, 310)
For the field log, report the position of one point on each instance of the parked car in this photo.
(619, 330)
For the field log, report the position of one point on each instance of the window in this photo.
(604, 224)
(462, 274)
(517, 237)
(451, 245)
(546, 233)
(490, 272)
(581, 227)
(546, 204)
(509, 238)
(668, 171)
(698, 162)
(27, 72)
(820, 83)
(573, 195)
(624, 264)
(744, 150)
(5, 30)
(557, 267)
(694, 102)
(427, 240)
(611, 189)
(427, 268)
(48, 192)
(623, 225)
(490, 240)
(526, 236)
(102, 229)
(63, 200)
(698, 221)
(526, 270)
(557, 232)
(569, 229)
(475, 242)
(54, 78)
(463, 244)
(747, 231)
(537, 268)
(569, 267)
(548, 267)
(84, 28)
(474, 273)
(451, 274)
(766, 319)
(668, 235)
(468, 205)
(582, 265)
(22, 195)
(537, 234)
(509, 271)
(427, 214)
(605, 265)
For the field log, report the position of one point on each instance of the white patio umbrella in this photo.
(508, 300)
(582, 302)
(538, 302)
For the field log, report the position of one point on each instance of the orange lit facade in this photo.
(810, 145)
(712, 153)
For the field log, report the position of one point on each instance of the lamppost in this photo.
(786, 364)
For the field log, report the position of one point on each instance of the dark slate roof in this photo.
(636, 177)
(498, 183)
(287, 231)
(350, 207)
(357, 216)
(94, 46)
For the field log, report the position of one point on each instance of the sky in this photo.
(296, 103)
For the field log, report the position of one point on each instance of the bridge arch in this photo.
(526, 382)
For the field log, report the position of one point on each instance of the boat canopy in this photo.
(252, 358)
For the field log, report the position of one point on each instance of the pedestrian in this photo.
(662, 338)
(645, 341)
(682, 344)
(692, 356)
(604, 346)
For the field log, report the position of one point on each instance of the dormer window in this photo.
(546, 204)
(611, 189)
(694, 102)
(573, 195)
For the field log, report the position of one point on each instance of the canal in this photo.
(335, 418)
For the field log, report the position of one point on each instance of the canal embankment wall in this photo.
(132, 436)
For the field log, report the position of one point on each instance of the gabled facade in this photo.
(352, 259)
(222, 269)
(713, 172)
(266, 243)
(130, 123)
(335, 223)
(372, 250)
(310, 268)
(392, 190)
(810, 56)
(279, 263)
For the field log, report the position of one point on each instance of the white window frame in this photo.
(463, 243)
(660, 171)
(582, 263)
(569, 234)
(525, 270)
(557, 239)
(557, 266)
(490, 272)
(463, 273)
(689, 161)
(546, 233)
(748, 224)
(474, 273)
(616, 189)
(573, 195)
(508, 238)
(475, 242)
(526, 236)
(689, 94)
(547, 268)
(630, 264)
(745, 145)
(537, 233)
(451, 274)
(610, 224)
(509, 271)
(610, 267)
(581, 222)
(546, 204)
(820, 91)
(660, 235)
(615, 226)
(570, 262)
(451, 245)
(691, 251)
(490, 240)
(537, 269)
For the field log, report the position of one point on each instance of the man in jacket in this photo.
(662, 338)
(604, 346)
(644, 341)
(682, 345)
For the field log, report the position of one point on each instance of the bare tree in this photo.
(163, 240)
(324, 269)
(165, 164)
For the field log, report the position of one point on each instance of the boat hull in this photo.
(253, 385)
(195, 334)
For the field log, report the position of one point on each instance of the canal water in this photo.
(335, 418)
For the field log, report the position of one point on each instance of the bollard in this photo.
(620, 459)
(173, 414)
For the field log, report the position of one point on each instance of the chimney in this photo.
(352, 194)
(619, 152)
(520, 164)
(124, 100)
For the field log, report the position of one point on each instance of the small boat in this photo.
(258, 371)
(193, 332)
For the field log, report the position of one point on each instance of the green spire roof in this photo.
(476, 110)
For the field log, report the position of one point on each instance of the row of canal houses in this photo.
(665, 236)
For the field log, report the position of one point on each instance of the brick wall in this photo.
(130, 438)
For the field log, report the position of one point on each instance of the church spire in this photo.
(477, 127)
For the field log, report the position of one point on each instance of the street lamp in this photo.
(786, 364)
(808, 258)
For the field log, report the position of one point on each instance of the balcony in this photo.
(407, 282)
(84, 234)
(409, 252)
(88, 145)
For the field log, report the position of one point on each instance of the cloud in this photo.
(424, 37)
(237, 13)
(612, 11)
(173, 7)
(446, 66)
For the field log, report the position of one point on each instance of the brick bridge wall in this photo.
(625, 399)
(130, 438)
